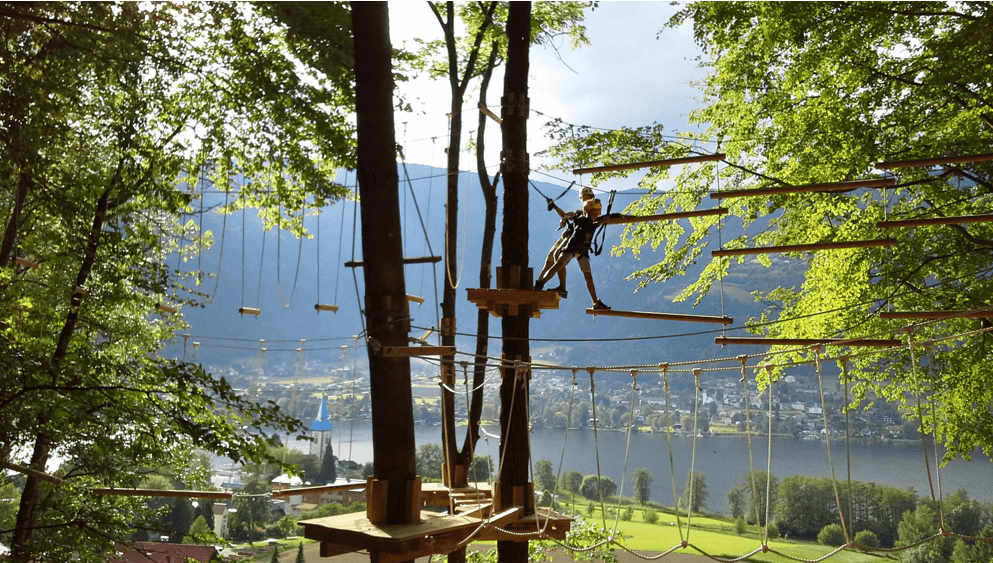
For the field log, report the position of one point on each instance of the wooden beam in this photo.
(402, 351)
(40, 475)
(667, 216)
(661, 316)
(651, 164)
(827, 187)
(886, 165)
(319, 489)
(162, 493)
(935, 221)
(486, 111)
(891, 315)
(806, 247)
(758, 341)
(416, 260)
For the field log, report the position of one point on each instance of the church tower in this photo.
(320, 430)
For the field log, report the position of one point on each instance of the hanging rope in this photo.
(827, 436)
(696, 418)
(596, 446)
(627, 447)
(768, 466)
(672, 464)
(748, 433)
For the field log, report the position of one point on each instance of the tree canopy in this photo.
(112, 117)
(808, 94)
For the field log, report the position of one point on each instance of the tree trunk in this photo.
(387, 315)
(514, 443)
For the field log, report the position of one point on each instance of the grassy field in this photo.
(716, 537)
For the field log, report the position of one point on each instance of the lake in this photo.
(723, 460)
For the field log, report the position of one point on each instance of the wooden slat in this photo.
(932, 161)
(667, 216)
(162, 493)
(806, 247)
(934, 221)
(758, 341)
(319, 489)
(661, 316)
(890, 315)
(416, 260)
(650, 164)
(404, 351)
(825, 187)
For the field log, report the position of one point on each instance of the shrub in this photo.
(650, 516)
(740, 526)
(772, 531)
(627, 514)
(832, 535)
(867, 538)
(590, 508)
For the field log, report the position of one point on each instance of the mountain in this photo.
(285, 277)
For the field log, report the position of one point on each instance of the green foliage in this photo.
(799, 96)
(300, 558)
(590, 509)
(627, 514)
(332, 509)
(329, 470)
(696, 492)
(572, 481)
(430, 458)
(481, 468)
(736, 501)
(740, 526)
(200, 533)
(178, 520)
(642, 485)
(650, 516)
(832, 535)
(275, 554)
(772, 531)
(544, 477)
(597, 488)
(866, 538)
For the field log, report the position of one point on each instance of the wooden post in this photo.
(386, 295)
(516, 328)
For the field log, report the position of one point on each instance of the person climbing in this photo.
(578, 246)
(566, 222)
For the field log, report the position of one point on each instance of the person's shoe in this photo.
(600, 306)
(561, 291)
(539, 285)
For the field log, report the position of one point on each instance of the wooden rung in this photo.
(651, 164)
(165, 308)
(322, 307)
(661, 316)
(162, 493)
(890, 315)
(935, 221)
(415, 299)
(667, 216)
(806, 247)
(401, 351)
(249, 311)
(416, 260)
(25, 263)
(826, 187)
(758, 341)
(933, 161)
(490, 114)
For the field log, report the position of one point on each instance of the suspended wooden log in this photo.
(165, 308)
(501, 302)
(486, 111)
(249, 311)
(162, 493)
(415, 299)
(806, 247)
(401, 351)
(25, 263)
(933, 161)
(759, 341)
(667, 216)
(319, 489)
(322, 307)
(81, 290)
(417, 260)
(651, 164)
(892, 315)
(827, 187)
(661, 316)
(934, 221)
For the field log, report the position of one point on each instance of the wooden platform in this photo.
(436, 534)
(661, 316)
(510, 302)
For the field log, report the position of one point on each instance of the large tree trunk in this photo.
(514, 443)
(385, 303)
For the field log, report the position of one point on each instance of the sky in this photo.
(629, 75)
